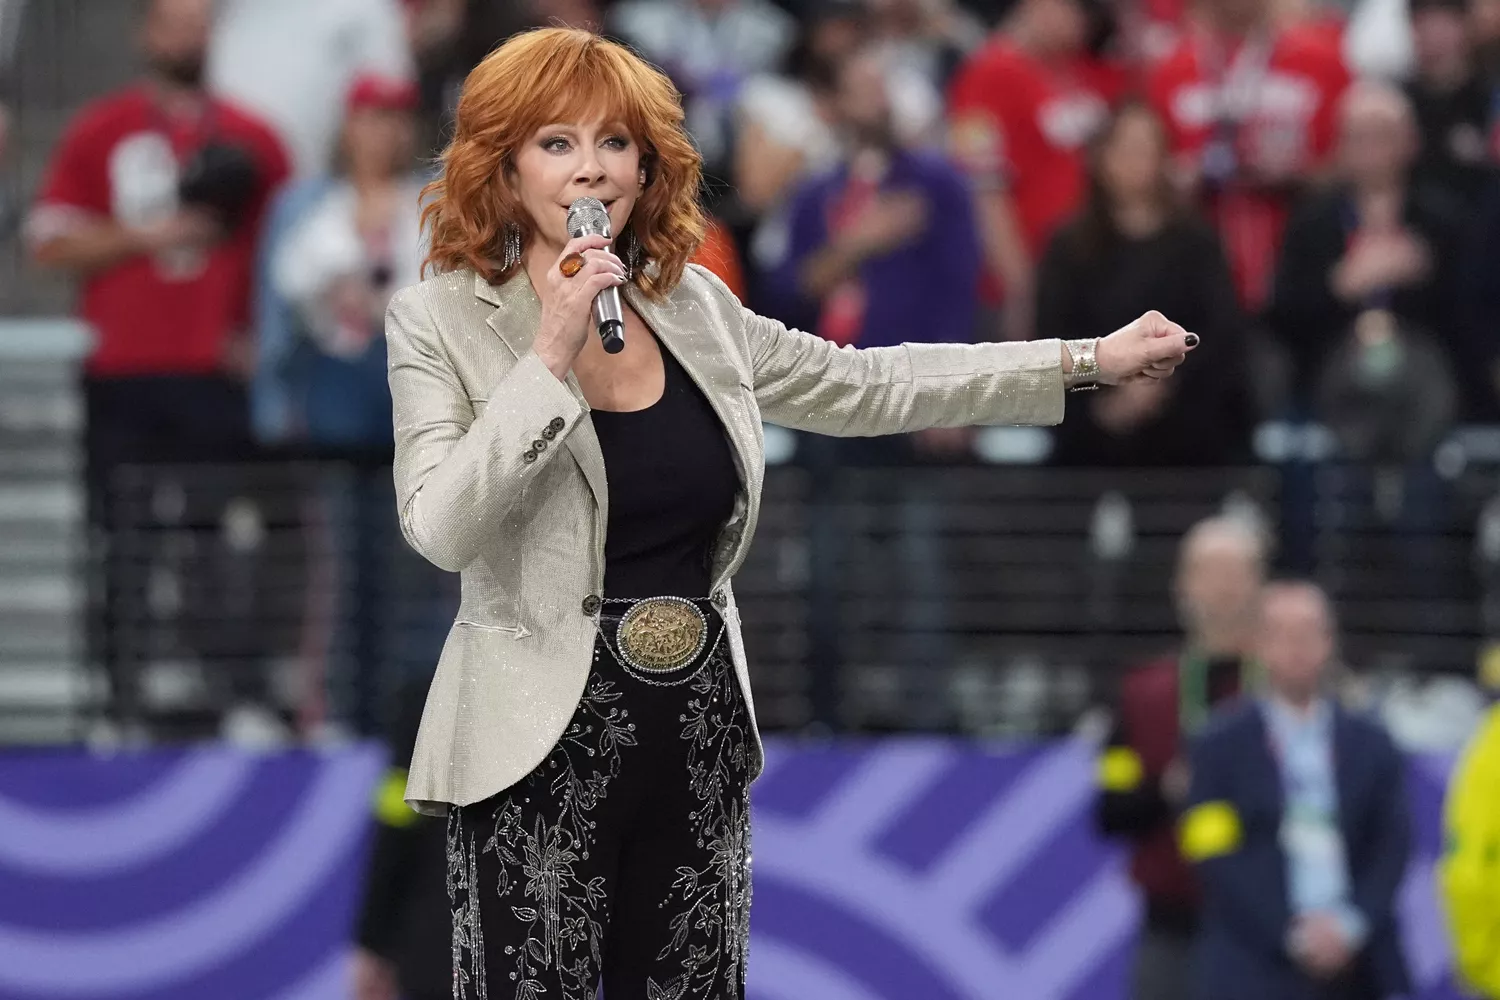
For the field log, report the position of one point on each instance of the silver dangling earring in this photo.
(512, 247)
(632, 254)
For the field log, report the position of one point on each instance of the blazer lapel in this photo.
(700, 357)
(1343, 772)
(518, 313)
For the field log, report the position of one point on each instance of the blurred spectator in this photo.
(709, 48)
(444, 63)
(1373, 242)
(1297, 820)
(1452, 102)
(154, 200)
(293, 61)
(338, 248)
(1249, 103)
(1484, 29)
(719, 254)
(1023, 108)
(434, 30)
(929, 37)
(1478, 309)
(1143, 773)
(785, 130)
(1469, 872)
(883, 251)
(1134, 249)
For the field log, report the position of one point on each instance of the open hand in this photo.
(1321, 946)
(1149, 348)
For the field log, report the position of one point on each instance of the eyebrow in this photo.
(609, 126)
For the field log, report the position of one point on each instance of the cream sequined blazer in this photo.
(499, 477)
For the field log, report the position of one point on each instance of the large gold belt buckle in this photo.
(661, 634)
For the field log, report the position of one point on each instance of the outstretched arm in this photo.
(807, 383)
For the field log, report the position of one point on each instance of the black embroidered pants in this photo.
(625, 853)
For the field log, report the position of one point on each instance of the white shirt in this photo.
(292, 62)
(325, 246)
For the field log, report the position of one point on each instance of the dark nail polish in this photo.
(1192, 340)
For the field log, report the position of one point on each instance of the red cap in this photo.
(390, 93)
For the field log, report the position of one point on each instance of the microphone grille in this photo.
(587, 216)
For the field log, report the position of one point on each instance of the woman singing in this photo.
(590, 730)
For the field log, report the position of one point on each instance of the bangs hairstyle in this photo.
(549, 76)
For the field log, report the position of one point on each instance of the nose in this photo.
(589, 171)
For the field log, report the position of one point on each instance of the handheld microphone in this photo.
(588, 217)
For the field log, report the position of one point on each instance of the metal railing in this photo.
(983, 599)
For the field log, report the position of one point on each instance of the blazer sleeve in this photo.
(807, 383)
(1231, 859)
(1377, 881)
(457, 472)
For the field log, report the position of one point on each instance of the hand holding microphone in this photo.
(568, 302)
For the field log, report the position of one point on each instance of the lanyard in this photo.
(1192, 688)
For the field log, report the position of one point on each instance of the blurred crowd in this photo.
(1310, 187)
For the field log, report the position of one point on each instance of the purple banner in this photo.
(884, 870)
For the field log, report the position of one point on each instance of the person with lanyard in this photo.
(1142, 775)
(1296, 821)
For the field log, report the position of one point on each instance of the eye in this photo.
(556, 144)
(617, 142)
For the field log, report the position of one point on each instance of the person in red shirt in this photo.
(153, 201)
(1022, 111)
(1250, 106)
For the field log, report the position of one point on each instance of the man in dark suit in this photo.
(1297, 823)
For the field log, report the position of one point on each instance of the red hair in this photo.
(562, 75)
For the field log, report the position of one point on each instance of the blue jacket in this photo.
(1231, 830)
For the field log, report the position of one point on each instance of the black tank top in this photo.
(672, 483)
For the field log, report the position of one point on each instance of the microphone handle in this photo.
(609, 320)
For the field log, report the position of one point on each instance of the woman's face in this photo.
(561, 163)
(1133, 157)
(379, 141)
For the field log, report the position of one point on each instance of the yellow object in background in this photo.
(1489, 667)
(1120, 770)
(1210, 830)
(1469, 872)
(390, 800)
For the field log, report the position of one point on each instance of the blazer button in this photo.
(528, 456)
(558, 423)
(548, 432)
(591, 605)
(538, 445)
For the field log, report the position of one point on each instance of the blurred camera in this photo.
(223, 179)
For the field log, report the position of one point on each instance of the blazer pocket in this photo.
(514, 630)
